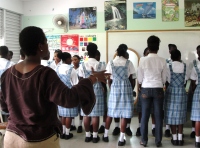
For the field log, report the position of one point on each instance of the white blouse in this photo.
(194, 75)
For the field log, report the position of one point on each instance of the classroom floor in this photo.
(131, 142)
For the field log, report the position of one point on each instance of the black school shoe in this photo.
(80, 129)
(128, 131)
(159, 144)
(62, 136)
(88, 139)
(143, 144)
(68, 136)
(95, 140)
(116, 131)
(105, 139)
(138, 133)
(180, 142)
(192, 135)
(197, 144)
(101, 129)
(174, 142)
(167, 133)
(72, 128)
(122, 143)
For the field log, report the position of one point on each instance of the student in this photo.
(10, 55)
(69, 77)
(151, 79)
(76, 62)
(120, 102)
(138, 133)
(32, 107)
(56, 61)
(169, 60)
(22, 56)
(176, 98)
(195, 113)
(98, 110)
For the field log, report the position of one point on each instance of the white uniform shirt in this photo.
(194, 75)
(53, 64)
(3, 63)
(152, 71)
(121, 61)
(177, 67)
(88, 65)
(44, 62)
(64, 68)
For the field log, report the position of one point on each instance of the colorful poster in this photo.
(170, 10)
(84, 40)
(53, 42)
(83, 18)
(70, 43)
(115, 15)
(192, 13)
(144, 10)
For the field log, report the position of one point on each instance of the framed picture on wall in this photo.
(115, 15)
(192, 13)
(144, 10)
(83, 18)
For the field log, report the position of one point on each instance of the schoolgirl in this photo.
(56, 60)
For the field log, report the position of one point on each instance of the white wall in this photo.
(12, 5)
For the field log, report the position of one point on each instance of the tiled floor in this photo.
(131, 142)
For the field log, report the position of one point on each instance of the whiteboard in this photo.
(185, 40)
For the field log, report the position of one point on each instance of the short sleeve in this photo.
(131, 70)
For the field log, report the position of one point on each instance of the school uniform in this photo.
(120, 102)
(152, 77)
(53, 65)
(85, 72)
(175, 96)
(68, 76)
(195, 75)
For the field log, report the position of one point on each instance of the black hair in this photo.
(153, 43)
(10, 52)
(145, 50)
(29, 39)
(126, 55)
(98, 53)
(198, 47)
(121, 50)
(92, 49)
(77, 57)
(64, 55)
(58, 51)
(172, 46)
(4, 51)
(22, 53)
(175, 55)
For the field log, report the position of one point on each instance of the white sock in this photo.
(64, 128)
(193, 129)
(128, 125)
(174, 136)
(121, 138)
(167, 127)
(88, 134)
(72, 122)
(197, 139)
(94, 134)
(139, 125)
(80, 122)
(153, 126)
(116, 124)
(67, 131)
(180, 136)
(106, 133)
(103, 124)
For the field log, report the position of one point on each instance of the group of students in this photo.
(32, 93)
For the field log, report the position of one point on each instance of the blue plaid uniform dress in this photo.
(66, 112)
(98, 109)
(176, 99)
(195, 114)
(120, 102)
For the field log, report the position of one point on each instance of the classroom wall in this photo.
(12, 5)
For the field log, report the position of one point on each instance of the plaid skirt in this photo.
(195, 114)
(175, 106)
(98, 109)
(67, 112)
(120, 102)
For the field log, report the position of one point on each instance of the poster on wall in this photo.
(192, 13)
(115, 15)
(170, 10)
(84, 40)
(144, 10)
(83, 18)
(70, 43)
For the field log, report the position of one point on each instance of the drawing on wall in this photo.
(115, 15)
(192, 13)
(144, 10)
(70, 43)
(82, 18)
(170, 10)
